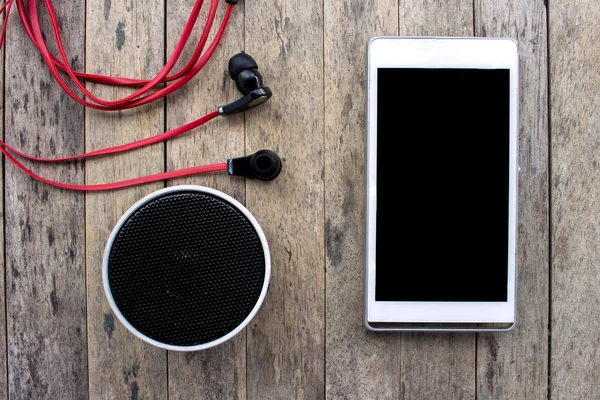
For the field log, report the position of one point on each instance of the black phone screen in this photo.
(442, 184)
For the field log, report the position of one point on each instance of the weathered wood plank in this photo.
(436, 18)
(45, 237)
(286, 340)
(220, 372)
(437, 366)
(515, 365)
(3, 366)
(121, 365)
(574, 40)
(359, 363)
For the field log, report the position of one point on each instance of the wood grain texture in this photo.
(574, 40)
(44, 238)
(3, 366)
(437, 366)
(219, 372)
(515, 365)
(435, 18)
(359, 364)
(121, 365)
(286, 340)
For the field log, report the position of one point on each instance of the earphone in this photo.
(243, 69)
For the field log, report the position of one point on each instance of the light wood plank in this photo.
(515, 365)
(219, 372)
(45, 237)
(359, 364)
(437, 366)
(435, 18)
(121, 365)
(286, 339)
(574, 40)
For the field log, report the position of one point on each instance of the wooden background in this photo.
(58, 337)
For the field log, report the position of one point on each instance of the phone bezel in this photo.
(439, 52)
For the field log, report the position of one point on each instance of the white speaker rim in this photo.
(187, 188)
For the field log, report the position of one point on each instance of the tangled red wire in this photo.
(149, 89)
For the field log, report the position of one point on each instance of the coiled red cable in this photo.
(149, 91)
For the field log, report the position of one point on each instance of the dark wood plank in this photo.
(514, 365)
(437, 366)
(359, 364)
(45, 236)
(121, 365)
(574, 40)
(219, 372)
(286, 340)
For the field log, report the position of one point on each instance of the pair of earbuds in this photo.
(263, 165)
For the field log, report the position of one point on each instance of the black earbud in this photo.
(264, 165)
(244, 71)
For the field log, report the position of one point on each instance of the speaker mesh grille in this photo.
(186, 268)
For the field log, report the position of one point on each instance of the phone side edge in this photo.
(367, 132)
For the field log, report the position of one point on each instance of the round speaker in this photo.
(186, 268)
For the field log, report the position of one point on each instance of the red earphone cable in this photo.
(197, 61)
(126, 147)
(118, 185)
(6, 9)
(128, 81)
(133, 100)
(148, 86)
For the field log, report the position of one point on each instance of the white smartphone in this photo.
(441, 184)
